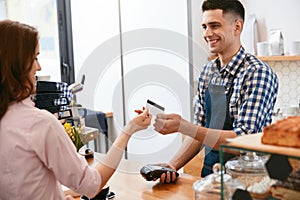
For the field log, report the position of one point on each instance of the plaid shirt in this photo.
(255, 89)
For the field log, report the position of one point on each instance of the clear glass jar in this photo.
(209, 187)
(248, 173)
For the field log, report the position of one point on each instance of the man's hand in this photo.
(167, 177)
(167, 123)
(172, 123)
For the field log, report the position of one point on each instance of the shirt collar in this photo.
(233, 64)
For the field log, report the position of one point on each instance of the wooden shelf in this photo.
(253, 142)
(279, 58)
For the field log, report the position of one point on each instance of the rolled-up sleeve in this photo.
(259, 97)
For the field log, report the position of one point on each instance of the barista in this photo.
(235, 96)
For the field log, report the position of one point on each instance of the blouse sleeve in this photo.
(58, 154)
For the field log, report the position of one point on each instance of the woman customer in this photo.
(35, 152)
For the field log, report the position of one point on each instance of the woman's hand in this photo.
(62, 121)
(69, 197)
(140, 122)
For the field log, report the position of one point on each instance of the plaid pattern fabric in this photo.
(66, 93)
(254, 95)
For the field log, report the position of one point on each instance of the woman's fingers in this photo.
(138, 111)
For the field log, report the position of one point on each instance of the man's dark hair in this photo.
(228, 6)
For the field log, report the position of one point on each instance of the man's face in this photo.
(218, 31)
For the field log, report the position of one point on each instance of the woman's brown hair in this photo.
(18, 42)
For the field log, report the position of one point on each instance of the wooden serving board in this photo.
(253, 142)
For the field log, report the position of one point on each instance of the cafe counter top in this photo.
(127, 183)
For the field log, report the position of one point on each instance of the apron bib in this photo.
(217, 117)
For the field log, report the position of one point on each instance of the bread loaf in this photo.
(284, 132)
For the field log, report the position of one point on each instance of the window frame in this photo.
(65, 41)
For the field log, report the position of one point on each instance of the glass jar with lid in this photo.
(249, 171)
(209, 187)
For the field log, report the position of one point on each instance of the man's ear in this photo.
(238, 26)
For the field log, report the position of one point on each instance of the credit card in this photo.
(154, 108)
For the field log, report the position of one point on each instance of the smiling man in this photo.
(236, 91)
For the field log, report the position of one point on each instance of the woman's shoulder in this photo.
(24, 113)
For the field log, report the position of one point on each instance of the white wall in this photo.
(155, 64)
(276, 14)
(270, 14)
(156, 67)
(96, 43)
(200, 50)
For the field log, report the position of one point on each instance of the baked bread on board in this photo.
(284, 132)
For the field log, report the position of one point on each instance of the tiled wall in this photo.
(288, 73)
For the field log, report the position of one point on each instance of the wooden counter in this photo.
(127, 183)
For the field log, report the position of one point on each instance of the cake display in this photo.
(279, 144)
(289, 189)
(284, 132)
(261, 189)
